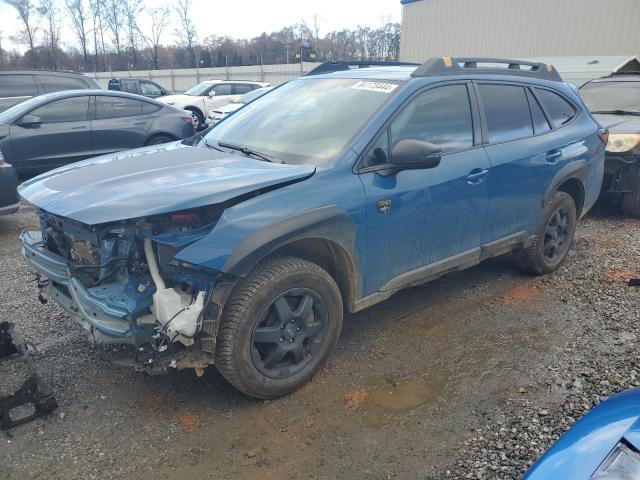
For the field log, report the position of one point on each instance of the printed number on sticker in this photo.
(375, 86)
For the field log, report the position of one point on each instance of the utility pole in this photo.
(1, 52)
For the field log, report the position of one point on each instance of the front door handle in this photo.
(476, 175)
(78, 128)
(552, 157)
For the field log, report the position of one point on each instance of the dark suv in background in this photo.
(615, 102)
(140, 86)
(17, 86)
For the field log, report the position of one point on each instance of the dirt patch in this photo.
(189, 421)
(620, 275)
(355, 398)
(520, 294)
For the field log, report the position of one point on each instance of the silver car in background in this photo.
(224, 111)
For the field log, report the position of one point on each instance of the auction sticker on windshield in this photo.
(375, 86)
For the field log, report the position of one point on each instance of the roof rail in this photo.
(490, 66)
(328, 67)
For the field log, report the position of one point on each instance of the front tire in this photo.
(280, 325)
(631, 204)
(554, 236)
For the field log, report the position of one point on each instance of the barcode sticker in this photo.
(375, 86)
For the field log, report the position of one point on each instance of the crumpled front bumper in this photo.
(101, 310)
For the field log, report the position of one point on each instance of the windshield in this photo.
(305, 121)
(199, 90)
(608, 96)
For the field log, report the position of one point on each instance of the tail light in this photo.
(603, 133)
(187, 120)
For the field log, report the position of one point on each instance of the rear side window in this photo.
(116, 107)
(223, 89)
(150, 88)
(17, 86)
(149, 108)
(53, 83)
(507, 112)
(129, 86)
(540, 123)
(62, 111)
(241, 88)
(441, 116)
(560, 111)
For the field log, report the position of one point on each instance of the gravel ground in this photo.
(471, 376)
(599, 358)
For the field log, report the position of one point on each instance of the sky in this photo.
(249, 18)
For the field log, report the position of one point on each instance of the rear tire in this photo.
(279, 326)
(553, 238)
(159, 140)
(198, 119)
(631, 204)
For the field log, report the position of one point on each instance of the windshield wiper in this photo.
(618, 112)
(213, 147)
(247, 151)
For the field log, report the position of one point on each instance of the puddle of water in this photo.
(403, 396)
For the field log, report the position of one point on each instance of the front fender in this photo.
(328, 206)
(330, 223)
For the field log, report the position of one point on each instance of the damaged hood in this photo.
(152, 180)
(619, 123)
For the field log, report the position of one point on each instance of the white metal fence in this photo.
(180, 80)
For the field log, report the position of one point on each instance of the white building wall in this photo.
(519, 28)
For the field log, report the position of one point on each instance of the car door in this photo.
(118, 123)
(422, 216)
(151, 89)
(223, 95)
(525, 152)
(64, 136)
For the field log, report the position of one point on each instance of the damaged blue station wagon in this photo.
(242, 246)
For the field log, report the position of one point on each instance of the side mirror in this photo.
(212, 93)
(30, 121)
(415, 154)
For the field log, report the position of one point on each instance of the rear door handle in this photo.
(552, 157)
(140, 123)
(476, 175)
(78, 128)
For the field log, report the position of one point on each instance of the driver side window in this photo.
(441, 116)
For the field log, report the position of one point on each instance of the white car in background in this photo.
(210, 94)
(219, 113)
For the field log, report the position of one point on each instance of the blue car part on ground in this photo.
(334, 189)
(604, 444)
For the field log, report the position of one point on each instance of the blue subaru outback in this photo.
(243, 246)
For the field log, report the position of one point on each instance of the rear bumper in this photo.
(90, 307)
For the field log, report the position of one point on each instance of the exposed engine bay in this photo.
(123, 284)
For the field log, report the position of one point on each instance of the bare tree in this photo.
(186, 32)
(159, 21)
(96, 7)
(114, 19)
(49, 13)
(131, 9)
(79, 17)
(26, 13)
